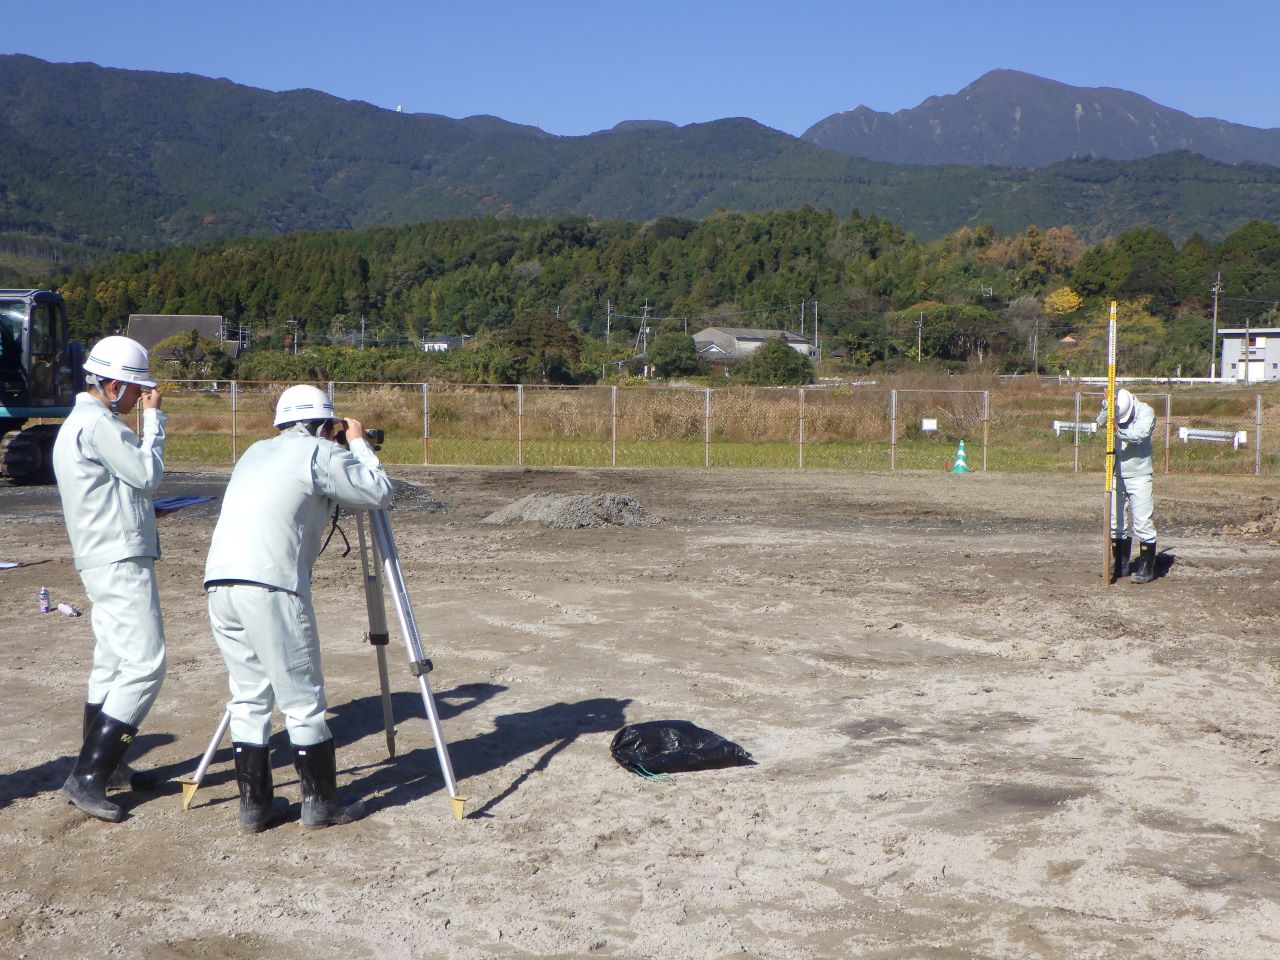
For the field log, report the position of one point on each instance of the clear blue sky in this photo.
(575, 67)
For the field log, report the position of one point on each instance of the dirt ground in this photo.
(966, 746)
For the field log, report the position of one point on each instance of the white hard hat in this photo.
(119, 358)
(1124, 406)
(303, 402)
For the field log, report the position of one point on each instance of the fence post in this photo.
(706, 430)
(1076, 467)
(426, 424)
(520, 424)
(986, 425)
(800, 450)
(235, 391)
(613, 428)
(893, 427)
(1168, 415)
(1257, 434)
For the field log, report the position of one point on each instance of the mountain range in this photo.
(96, 160)
(1010, 118)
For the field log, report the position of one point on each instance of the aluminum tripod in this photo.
(380, 562)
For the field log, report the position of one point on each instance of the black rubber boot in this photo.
(259, 807)
(1121, 549)
(1144, 571)
(123, 777)
(318, 773)
(104, 746)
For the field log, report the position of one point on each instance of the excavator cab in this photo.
(41, 371)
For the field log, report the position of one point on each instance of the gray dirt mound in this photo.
(573, 512)
(1265, 526)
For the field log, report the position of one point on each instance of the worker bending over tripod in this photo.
(278, 503)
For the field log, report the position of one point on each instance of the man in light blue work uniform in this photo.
(106, 478)
(278, 503)
(1132, 504)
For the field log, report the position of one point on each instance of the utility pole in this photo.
(817, 345)
(362, 331)
(644, 328)
(608, 320)
(920, 337)
(1035, 347)
(1213, 340)
(802, 318)
(292, 324)
(1247, 351)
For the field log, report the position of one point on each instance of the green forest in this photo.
(562, 300)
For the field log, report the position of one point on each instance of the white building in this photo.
(440, 344)
(1263, 361)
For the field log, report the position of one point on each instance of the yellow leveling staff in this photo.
(1111, 444)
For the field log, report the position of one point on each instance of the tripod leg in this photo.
(418, 662)
(379, 637)
(191, 782)
(388, 722)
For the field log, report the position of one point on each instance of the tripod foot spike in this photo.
(458, 803)
(189, 787)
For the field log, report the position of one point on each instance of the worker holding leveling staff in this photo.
(106, 477)
(278, 503)
(1131, 501)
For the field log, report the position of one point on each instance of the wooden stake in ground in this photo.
(1111, 446)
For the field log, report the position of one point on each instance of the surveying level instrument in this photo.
(380, 563)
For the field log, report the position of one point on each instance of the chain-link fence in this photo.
(1021, 428)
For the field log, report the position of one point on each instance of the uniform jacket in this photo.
(106, 477)
(1133, 447)
(279, 502)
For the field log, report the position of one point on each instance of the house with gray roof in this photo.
(150, 328)
(729, 344)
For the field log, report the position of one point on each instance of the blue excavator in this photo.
(41, 371)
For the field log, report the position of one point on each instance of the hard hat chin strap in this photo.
(115, 401)
(100, 384)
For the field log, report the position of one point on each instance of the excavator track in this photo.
(26, 456)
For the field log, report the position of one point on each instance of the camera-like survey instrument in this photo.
(375, 435)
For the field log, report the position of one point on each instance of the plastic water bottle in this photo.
(43, 595)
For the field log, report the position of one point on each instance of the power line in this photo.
(1247, 300)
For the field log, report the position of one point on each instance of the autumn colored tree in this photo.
(1063, 301)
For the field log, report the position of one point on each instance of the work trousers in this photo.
(128, 655)
(1131, 508)
(269, 642)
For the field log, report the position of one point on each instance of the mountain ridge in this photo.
(98, 160)
(983, 123)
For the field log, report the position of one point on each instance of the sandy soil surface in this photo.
(966, 746)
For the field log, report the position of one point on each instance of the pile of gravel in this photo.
(574, 512)
(410, 496)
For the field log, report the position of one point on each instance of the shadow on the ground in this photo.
(49, 776)
(545, 731)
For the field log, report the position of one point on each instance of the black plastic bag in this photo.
(674, 746)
